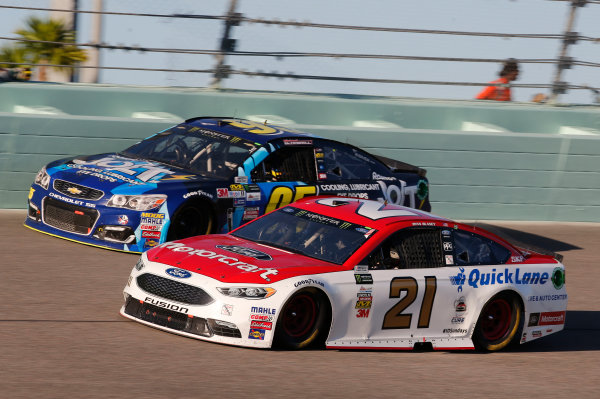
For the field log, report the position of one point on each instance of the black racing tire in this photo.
(191, 219)
(303, 321)
(499, 323)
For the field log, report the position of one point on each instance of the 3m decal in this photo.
(394, 318)
(283, 195)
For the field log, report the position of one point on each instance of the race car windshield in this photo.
(307, 233)
(200, 151)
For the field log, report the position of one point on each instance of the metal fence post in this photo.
(227, 45)
(564, 62)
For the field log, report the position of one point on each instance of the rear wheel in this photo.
(499, 322)
(190, 220)
(303, 320)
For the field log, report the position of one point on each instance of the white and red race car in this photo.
(349, 274)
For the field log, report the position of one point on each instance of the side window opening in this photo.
(287, 164)
(473, 249)
(341, 162)
(408, 249)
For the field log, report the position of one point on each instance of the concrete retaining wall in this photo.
(484, 160)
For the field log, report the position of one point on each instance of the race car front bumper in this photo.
(94, 223)
(193, 307)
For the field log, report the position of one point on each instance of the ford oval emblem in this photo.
(179, 273)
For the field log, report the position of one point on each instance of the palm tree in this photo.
(15, 54)
(49, 41)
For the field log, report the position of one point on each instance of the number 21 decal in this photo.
(394, 318)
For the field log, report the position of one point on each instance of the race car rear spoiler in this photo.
(397, 166)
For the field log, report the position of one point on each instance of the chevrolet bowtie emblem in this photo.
(74, 190)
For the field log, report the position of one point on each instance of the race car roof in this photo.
(260, 133)
(369, 213)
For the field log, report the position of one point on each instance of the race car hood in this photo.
(109, 171)
(234, 260)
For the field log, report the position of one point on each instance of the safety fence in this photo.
(484, 160)
(232, 64)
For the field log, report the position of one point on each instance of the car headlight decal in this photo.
(42, 178)
(248, 292)
(137, 202)
(140, 264)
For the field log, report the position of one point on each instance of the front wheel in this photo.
(499, 322)
(303, 320)
(190, 220)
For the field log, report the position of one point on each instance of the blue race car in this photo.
(206, 175)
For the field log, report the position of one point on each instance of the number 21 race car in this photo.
(349, 274)
(206, 175)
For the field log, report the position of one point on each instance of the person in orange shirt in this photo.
(509, 72)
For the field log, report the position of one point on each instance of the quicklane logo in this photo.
(477, 278)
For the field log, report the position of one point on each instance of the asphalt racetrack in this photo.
(61, 336)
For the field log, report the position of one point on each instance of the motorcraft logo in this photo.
(477, 278)
(252, 253)
(547, 319)
(179, 273)
(550, 318)
(179, 247)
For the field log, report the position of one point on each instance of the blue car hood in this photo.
(110, 172)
